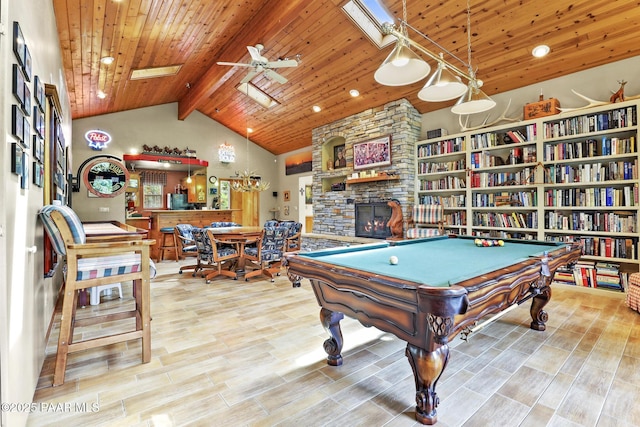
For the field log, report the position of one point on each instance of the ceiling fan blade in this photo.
(275, 76)
(283, 63)
(255, 53)
(249, 76)
(234, 64)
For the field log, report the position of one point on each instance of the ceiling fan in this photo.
(260, 64)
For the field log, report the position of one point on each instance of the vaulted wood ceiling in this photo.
(335, 55)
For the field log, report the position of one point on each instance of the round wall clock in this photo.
(213, 179)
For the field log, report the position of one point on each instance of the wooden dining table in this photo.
(240, 235)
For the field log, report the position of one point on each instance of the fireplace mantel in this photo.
(352, 181)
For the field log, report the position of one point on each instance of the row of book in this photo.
(516, 198)
(591, 221)
(606, 247)
(495, 179)
(446, 183)
(589, 148)
(506, 220)
(613, 119)
(592, 172)
(593, 274)
(515, 156)
(455, 145)
(626, 196)
(456, 218)
(451, 201)
(434, 167)
(493, 139)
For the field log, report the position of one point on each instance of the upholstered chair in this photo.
(215, 254)
(267, 252)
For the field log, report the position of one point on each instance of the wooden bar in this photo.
(169, 218)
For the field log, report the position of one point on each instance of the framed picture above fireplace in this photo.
(372, 153)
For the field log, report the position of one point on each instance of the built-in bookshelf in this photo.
(567, 177)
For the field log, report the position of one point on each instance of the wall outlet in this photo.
(103, 209)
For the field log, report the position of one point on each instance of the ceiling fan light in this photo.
(442, 86)
(402, 67)
(472, 102)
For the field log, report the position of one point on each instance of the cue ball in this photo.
(393, 260)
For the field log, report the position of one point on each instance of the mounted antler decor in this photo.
(617, 96)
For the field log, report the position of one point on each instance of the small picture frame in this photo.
(16, 158)
(287, 195)
(286, 210)
(38, 147)
(27, 100)
(339, 157)
(18, 43)
(24, 181)
(308, 195)
(38, 174)
(18, 85)
(26, 129)
(27, 64)
(17, 122)
(39, 95)
(38, 121)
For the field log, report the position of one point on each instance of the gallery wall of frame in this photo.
(27, 116)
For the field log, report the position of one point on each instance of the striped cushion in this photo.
(73, 221)
(633, 292)
(427, 214)
(105, 266)
(417, 233)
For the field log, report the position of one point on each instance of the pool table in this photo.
(439, 287)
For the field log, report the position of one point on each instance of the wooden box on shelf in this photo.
(542, 108)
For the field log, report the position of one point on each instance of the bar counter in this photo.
(169, 218)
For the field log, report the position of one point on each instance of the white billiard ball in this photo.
(393, 260)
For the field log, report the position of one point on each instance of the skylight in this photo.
(369, 15)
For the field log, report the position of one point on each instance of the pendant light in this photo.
(442, 86)
(403, 66)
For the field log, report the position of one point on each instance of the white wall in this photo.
(160, 126)
(291, 184)
(26, 298)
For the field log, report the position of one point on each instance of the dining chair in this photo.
(214, 254)
(96, 263)
(267, 252)
(186, 246)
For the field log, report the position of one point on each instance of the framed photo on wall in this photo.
(287, 196)
(372, 153)
(16, 158)
(18, 43)
(339, 157)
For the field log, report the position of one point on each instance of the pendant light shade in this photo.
(442, 86)
(474, 101)
(402, 67)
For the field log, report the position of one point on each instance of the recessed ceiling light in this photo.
(540, 51)
(101, 94)
(107, 60)
(354, 92)
(249, 130)
(316, 108)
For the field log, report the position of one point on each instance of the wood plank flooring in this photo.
(236, 353)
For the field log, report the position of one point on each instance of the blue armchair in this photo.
(267, 252)
(186, 245)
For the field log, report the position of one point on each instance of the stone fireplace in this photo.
(334, 206)
(371, 220)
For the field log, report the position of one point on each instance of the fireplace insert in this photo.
(371, 220)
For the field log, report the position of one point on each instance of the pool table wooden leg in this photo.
(539, 316)
(333, 346)
(427, 368)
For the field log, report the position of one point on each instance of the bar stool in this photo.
(168, 242)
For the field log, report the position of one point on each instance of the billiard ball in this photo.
(393, 260)
(500, 242)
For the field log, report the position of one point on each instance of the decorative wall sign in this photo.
(97, 139)
(226, 153)
(105, 177)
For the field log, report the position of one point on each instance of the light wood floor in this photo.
(236, 353)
